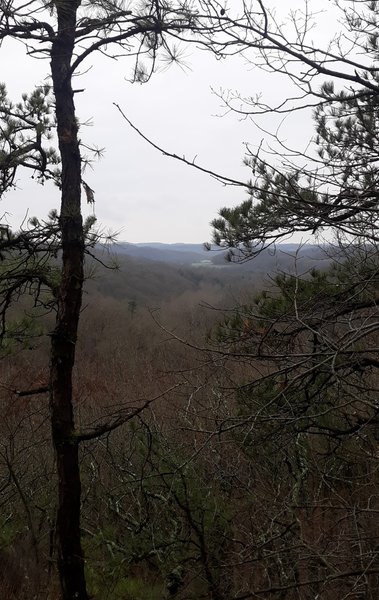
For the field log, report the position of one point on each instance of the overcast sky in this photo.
(140, 193)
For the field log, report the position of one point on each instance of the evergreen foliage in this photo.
(333, 187)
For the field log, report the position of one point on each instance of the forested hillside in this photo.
(224, 460)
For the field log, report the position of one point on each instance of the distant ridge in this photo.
(150, 274)
(179, 254)
(195, 254)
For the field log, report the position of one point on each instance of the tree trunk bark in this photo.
(63, 340)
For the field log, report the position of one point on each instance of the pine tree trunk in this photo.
(63, 340)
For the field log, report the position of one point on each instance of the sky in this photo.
(140, 194)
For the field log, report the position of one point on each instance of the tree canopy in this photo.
(290, 376)
(332, 186)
